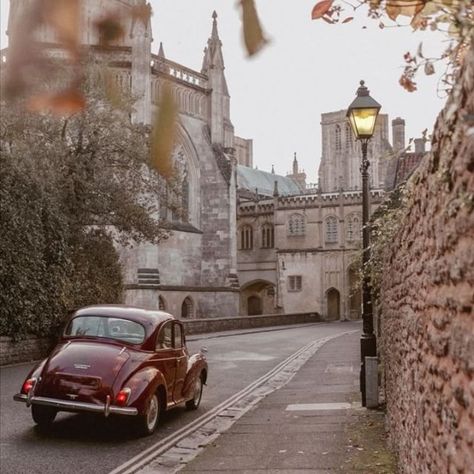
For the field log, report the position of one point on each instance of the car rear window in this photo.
(107, 327)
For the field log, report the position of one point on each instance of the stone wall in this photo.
(26, 350)
(427, 326)
(34, 348)
(199, 326)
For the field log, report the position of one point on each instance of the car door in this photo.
(165, 357)
(181, 361)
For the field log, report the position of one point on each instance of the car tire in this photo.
(148, 421)
(43, 416)
(194, 403)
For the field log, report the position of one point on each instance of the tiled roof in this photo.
(249, 179)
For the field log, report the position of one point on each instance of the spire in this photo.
(295, 164)
(161, 51)
(213, 53)
(273, 169)
(215, 33)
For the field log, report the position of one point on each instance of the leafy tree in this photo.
(70, 188)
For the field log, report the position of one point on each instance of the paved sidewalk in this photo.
(309, 425)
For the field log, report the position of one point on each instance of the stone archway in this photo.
(333, 299)
(257, 297)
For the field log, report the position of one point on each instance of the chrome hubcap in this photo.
(152, 414)
(197, 390)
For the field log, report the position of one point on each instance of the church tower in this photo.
(222, 130)
(341, 154)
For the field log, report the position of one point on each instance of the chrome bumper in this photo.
(66, 405)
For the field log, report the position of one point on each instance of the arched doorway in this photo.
(333, 304)
(355, 298)
(254, 305)
(257, 297)
(187, 308)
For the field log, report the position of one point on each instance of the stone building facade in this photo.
(194, 272)
(299, 246)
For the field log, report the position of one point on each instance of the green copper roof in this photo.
(249, 179)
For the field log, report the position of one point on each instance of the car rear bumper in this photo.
(66, 405)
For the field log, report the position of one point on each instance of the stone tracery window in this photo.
(338, 138)
(331, 229)
(268, 236)
(348, 137)
(296, 225)
(354, 227)
(246, 237)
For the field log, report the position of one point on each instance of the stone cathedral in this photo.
(250, 242)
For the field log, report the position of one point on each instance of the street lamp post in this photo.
(362, 114)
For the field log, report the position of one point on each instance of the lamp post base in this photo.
(368, 348)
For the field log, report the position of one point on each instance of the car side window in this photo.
(164, 339)
(178, 336)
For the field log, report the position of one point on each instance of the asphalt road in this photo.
(91, 444)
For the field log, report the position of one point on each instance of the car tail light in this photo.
(28, 385)
(123, 396)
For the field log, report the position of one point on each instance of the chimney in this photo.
(419, 145)
(398, 134)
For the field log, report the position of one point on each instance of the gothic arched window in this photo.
(187, 308)
(331, 229)
(338, 138)
(268, 236)
(296, 225)
(348, 137)
(354, 227)
(246, 237)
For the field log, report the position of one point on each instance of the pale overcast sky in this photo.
(308, 68)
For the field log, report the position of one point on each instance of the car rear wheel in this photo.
(148, 421)
(193, 404)
(43, 416)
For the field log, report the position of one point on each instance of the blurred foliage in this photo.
(70, 189)
(454, 18)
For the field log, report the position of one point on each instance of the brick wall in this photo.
(427, 326)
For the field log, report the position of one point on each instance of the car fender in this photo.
(143, 384)
(197, 364)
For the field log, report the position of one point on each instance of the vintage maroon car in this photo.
(117, 360)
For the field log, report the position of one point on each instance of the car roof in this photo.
(131, 313)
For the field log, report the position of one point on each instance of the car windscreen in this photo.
(107, 327)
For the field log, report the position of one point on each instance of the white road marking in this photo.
(322, 406)
(171, 453)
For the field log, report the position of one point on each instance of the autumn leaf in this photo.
(253, 34)
(411, 8)
(407, 83)
(320, 9)
(141, 12)
(63, 16)
(393, 10)
(64, 103)
(110, 29)
(348, 19)
(164, 133)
